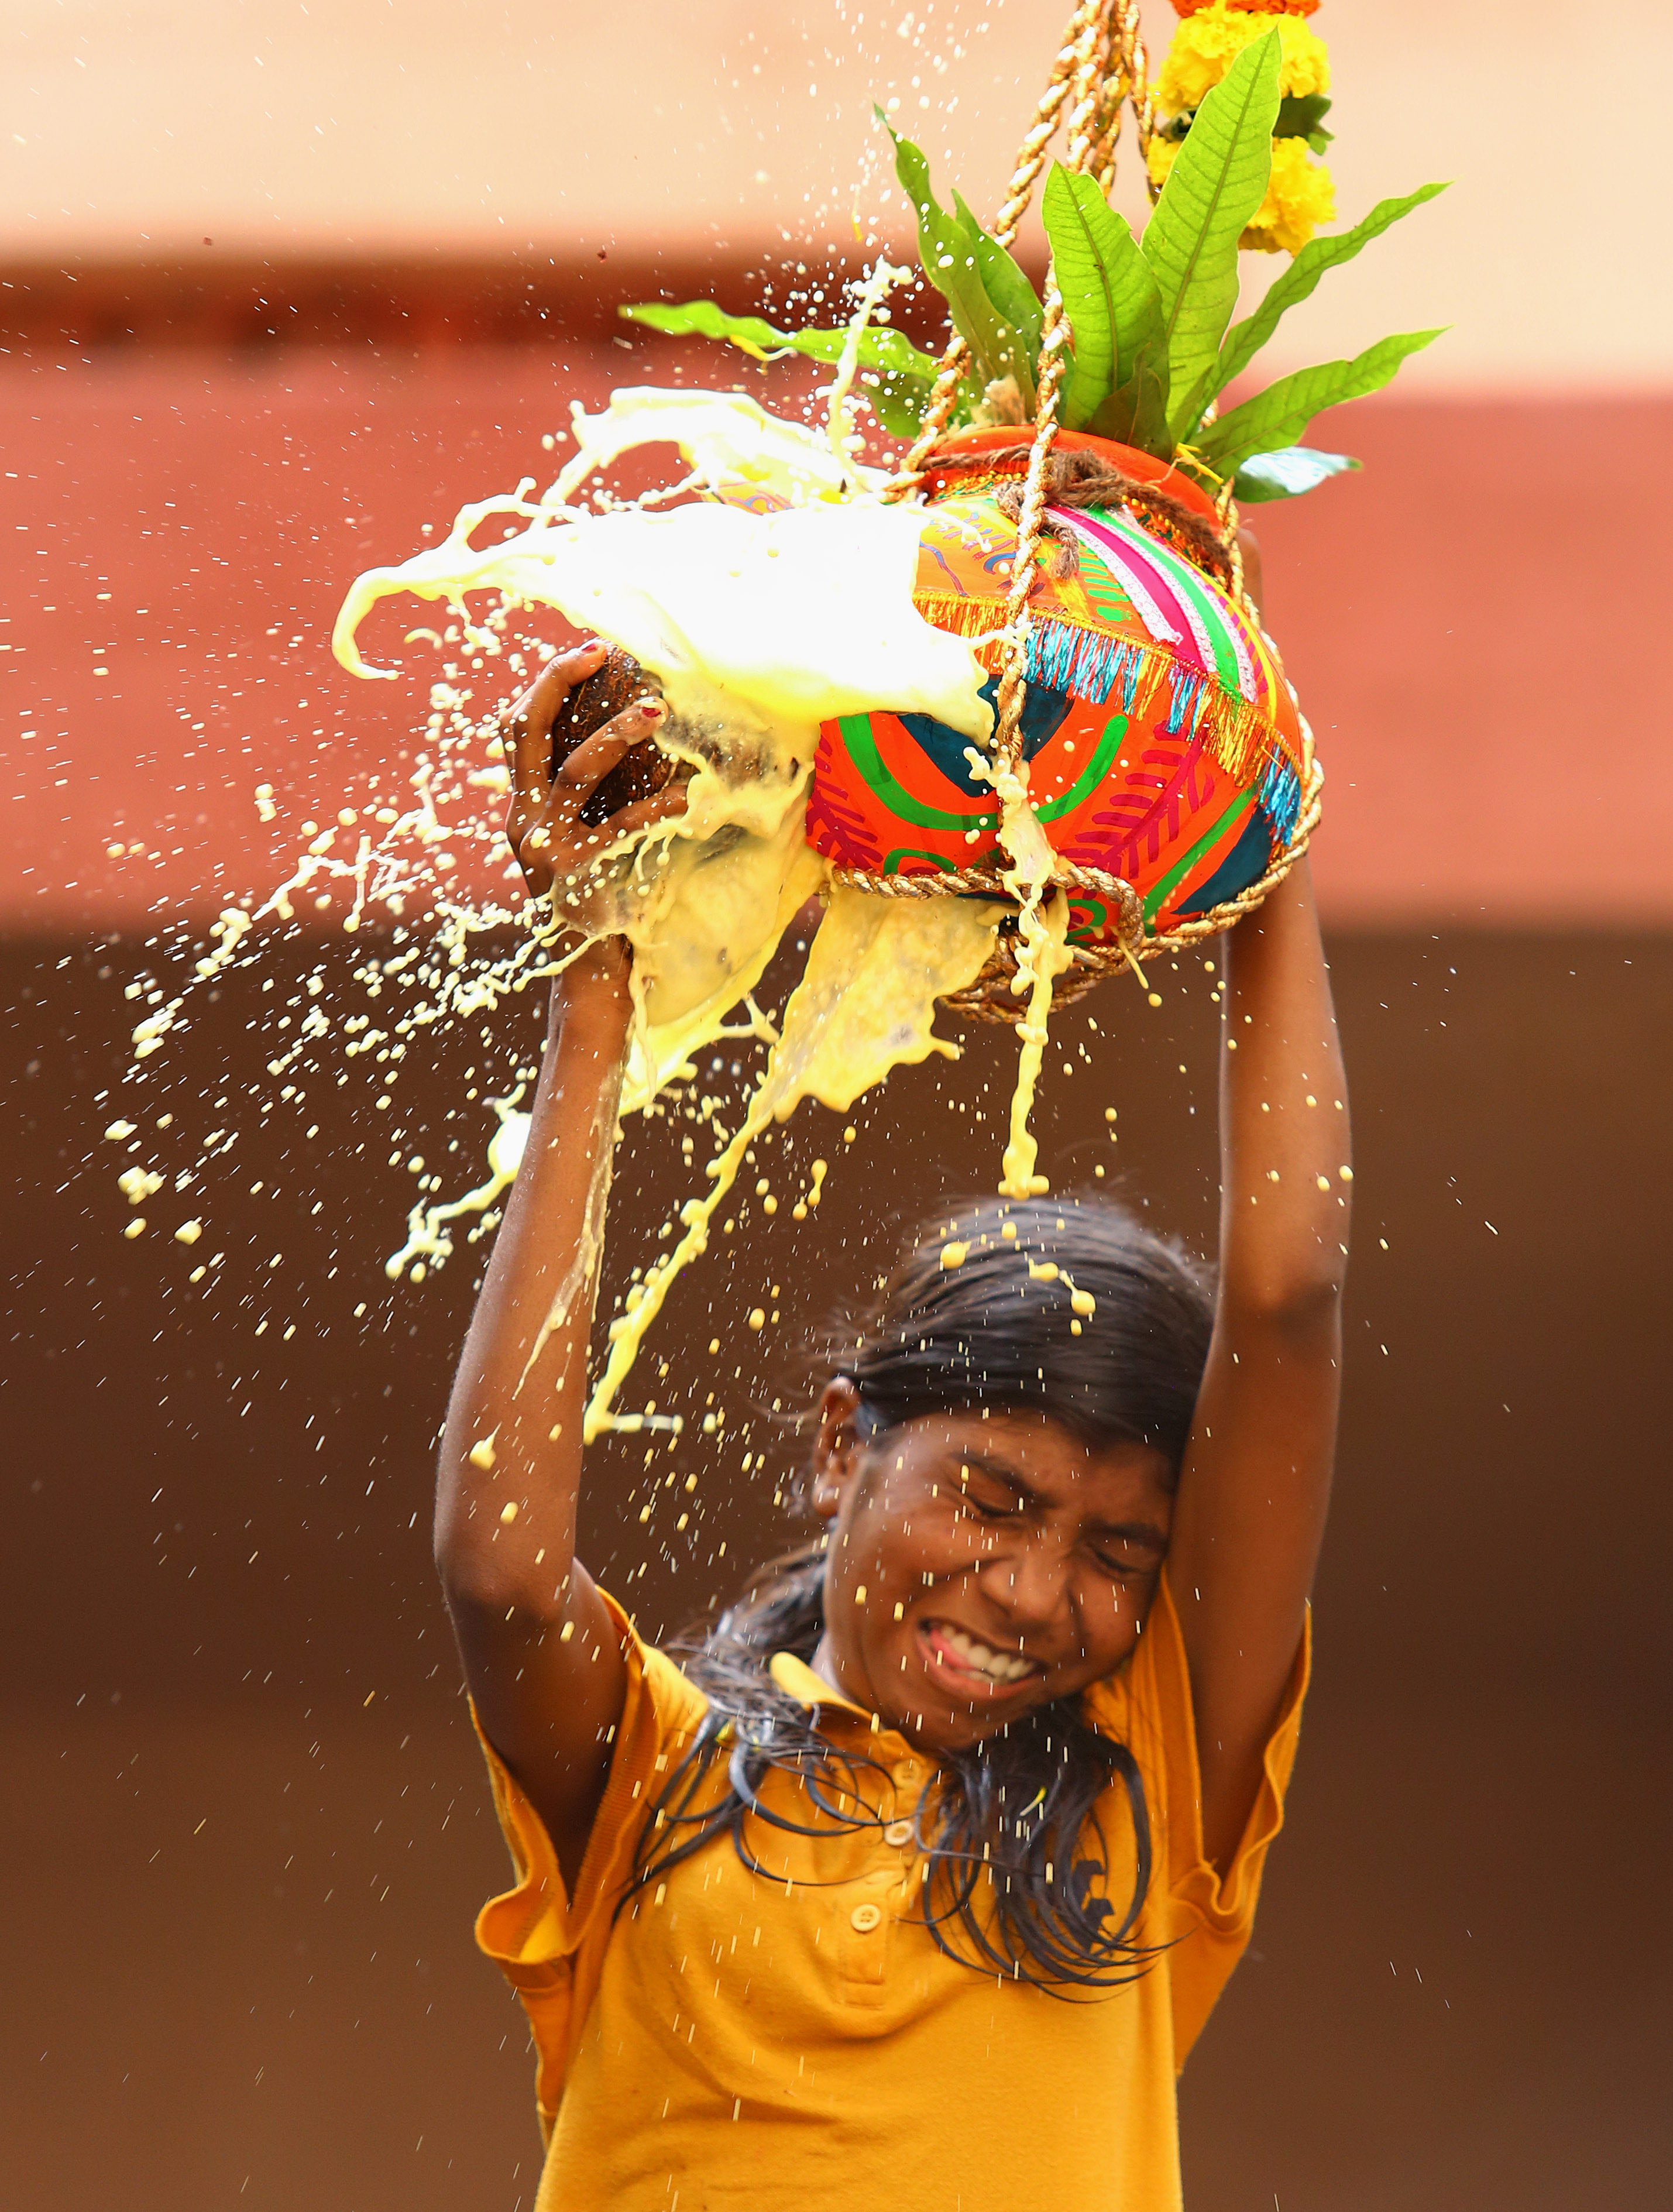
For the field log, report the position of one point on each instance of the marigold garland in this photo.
(1208, 43)
(1301, 194)
(1211, 33)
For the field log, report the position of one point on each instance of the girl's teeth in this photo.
(999, 1665)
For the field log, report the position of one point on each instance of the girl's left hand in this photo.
(543, 823)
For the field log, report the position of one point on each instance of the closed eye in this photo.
(986, 1509)
(990, 1490)
(1128, 1551)
(1125, 1562)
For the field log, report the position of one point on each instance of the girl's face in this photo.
(979, 1568)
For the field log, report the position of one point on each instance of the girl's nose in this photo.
(1032, 1585)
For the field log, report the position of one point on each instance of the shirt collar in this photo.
(797, 1680)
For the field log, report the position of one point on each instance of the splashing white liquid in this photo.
(759, 627)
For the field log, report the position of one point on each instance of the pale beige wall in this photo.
(359, 126)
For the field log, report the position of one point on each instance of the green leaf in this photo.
(1136, 412)
(1278, 416)
(960, 259)
(894, 376)
(879, 347)
(899, 402)
(1003, 281)
(1114, 306)
(1287, 474)
(1246, 338)
(1218, 181)
(1301, 115)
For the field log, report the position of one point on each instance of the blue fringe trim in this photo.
(1091, 666)
(1063, 657)
(1278, 795)
(1187, 695)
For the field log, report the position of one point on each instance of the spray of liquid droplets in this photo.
(760, 620)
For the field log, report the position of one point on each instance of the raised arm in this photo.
(1252, 1497)
(541, 1655)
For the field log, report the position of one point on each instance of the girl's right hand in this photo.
(543, 823)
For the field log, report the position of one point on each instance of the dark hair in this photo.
(977, 1311)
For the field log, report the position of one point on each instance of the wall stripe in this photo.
(184, 526)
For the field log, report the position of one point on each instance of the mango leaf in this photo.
(1136, 412)
(1244, 340)
(1115, 309)
(1301, 115)
(953, 249)
(1218, 181)
(894, 376)
(1278, 416)
(899, 402)
(1003, 281)
(879, 346)
(1287, 474)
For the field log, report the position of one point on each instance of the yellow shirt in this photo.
(735, 2043)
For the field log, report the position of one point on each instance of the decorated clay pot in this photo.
(1163, 742)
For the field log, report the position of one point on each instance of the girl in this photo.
(917, 1878)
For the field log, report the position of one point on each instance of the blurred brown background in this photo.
(244, 1830)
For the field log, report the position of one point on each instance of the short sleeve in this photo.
(1207, 1917)
(549, 1945)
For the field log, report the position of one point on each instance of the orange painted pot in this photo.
(1163, 741)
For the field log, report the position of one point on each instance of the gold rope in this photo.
(986, 882)
(1134, 81)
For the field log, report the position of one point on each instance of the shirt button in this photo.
(864, 1919)
(898, 1832)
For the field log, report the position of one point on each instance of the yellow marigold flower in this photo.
(1208, 43)
(1301, 194)
(1163, 153)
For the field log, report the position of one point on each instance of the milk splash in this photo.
(780, 598)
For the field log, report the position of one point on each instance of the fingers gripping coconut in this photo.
(585, 774)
